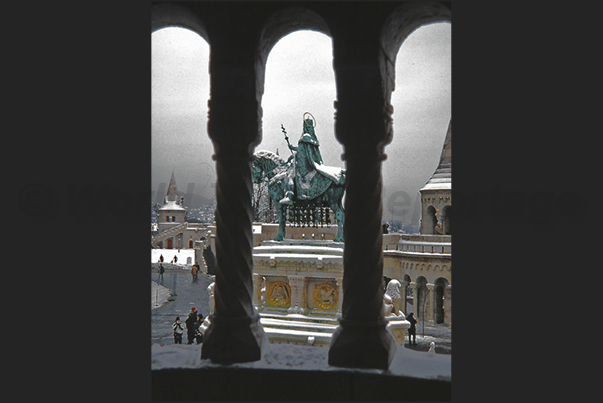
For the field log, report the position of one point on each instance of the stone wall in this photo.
(232, 383)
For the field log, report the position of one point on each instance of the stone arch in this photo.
(407, 292)
(446, 215)
(440, 288)
(397, 27)
(234, 92)
(175, 15)
(429, 221)
(420, 298)
(279, 24)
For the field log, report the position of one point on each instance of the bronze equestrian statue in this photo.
(302, 180)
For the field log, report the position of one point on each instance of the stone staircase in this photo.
(298, 329)
(163, 235)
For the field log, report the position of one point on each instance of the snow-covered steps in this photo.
(298, 329)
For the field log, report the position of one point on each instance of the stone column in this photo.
(430, 306)
(415, 299)
(339, 282)
(296, 283)
(362, 124)
(403, 295)
(235, 334)
(257, 286)
(448, 307)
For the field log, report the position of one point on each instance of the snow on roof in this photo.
(433, 185)
(442, 177)
(172, 205)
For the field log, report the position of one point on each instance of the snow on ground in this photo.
(288, 356)
(159, 295)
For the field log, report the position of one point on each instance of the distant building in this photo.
(175, 232)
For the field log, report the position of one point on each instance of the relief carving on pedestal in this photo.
(279, 294)
(325, 296)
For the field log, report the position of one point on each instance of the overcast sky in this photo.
(294, 85)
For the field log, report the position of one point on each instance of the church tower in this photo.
(173, 212)
(436, 196)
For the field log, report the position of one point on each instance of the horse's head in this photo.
(264, 163)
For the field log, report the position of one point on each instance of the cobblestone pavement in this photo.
(189, 293)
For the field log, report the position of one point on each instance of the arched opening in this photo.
(440, 296)
(429, 221)
(299, 78)
(446, 214)
(242, 283)
(421, 114)
(407, 293)
(420, 299)
(179, 138)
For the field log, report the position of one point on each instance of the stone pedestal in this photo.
(302, 297)
(398, 326)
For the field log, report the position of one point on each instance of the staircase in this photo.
(163, 235)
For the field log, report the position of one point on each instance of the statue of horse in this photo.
(280, 176)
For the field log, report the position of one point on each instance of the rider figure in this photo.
(306, 155)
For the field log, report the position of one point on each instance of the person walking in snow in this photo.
(178, 330)
(412, 330)
(194, 271)
(161, 271)
(190, 325)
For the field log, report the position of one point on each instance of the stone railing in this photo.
(426, 244)
(426, 238)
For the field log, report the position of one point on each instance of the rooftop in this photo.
(172, 205)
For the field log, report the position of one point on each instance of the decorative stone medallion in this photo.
(325, 296)
(279, 294)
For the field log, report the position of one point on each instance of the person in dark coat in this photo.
(160, 271)
(412, 330)
(190, 325)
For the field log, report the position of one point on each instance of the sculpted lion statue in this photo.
(392, 299)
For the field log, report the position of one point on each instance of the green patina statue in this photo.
(302, 180)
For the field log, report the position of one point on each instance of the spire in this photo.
(446, 157)
(171, 192)
(442, 177)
